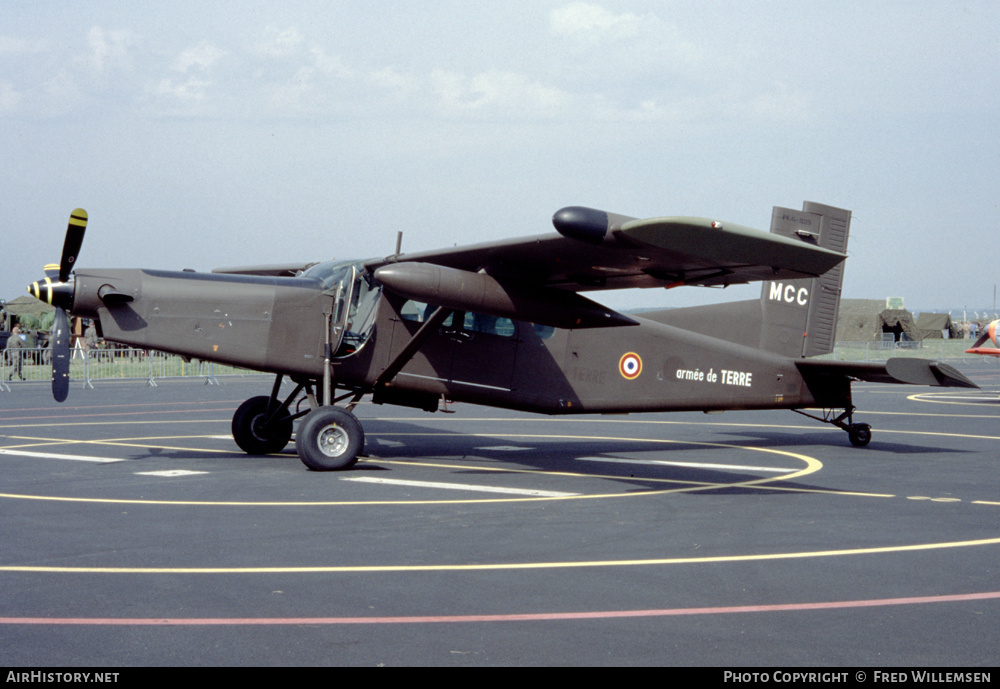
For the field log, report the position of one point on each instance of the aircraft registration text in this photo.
(788, 294)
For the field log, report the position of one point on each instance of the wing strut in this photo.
(412, 347)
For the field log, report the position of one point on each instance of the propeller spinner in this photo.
(59, 293)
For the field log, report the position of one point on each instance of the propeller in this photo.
(990, 333)
(59, 293)
(74, 240)
(60, 356)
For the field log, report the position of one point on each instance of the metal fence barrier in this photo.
(32, 364)
(925, 349)
(149, 365)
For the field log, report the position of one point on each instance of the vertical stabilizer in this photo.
(800, 316)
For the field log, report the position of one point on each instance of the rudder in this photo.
(800, 316)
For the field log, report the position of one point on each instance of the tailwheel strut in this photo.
(860, 434)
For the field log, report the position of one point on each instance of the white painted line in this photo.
(169, 473)
(461, 486)
(691, 465)
(504, 448)
(52, 455)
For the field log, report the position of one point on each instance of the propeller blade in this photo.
(982, 339)
(60, 356)
(74, 240)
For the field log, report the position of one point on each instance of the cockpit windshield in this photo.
(331, 273)
(357, 298)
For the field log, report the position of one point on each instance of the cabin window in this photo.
(419, 312)
(544, 332)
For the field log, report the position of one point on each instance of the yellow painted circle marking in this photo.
(473, 567)
(941, 398)
(811, 465)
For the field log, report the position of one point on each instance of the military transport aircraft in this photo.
(990, 333)
(504, 324)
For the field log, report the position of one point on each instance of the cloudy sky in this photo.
(204, 134)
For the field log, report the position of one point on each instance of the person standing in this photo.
(14, 346)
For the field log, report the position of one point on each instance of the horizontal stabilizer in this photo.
(924, 372)
(895, 370)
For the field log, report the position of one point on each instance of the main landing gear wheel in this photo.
(252, 432)
(329, 439)
(860, 434)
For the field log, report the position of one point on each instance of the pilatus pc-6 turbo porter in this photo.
(504, 324)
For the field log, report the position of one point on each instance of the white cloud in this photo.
(497, 92)
(280, 43)
(591, 23)
(329, 64)
(203, 56)
(193, 89)
(109, 50)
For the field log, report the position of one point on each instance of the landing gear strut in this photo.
(860, 434)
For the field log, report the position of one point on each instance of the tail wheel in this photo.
(329, 439)
(860, 434)
(252, 432)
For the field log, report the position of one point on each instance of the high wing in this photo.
(286, 270)
(596, 250)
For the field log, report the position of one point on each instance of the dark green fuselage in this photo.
(280, 325)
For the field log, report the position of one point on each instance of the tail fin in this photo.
(800, 316)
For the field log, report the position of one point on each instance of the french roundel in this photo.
(630, 366)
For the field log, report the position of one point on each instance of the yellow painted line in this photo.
(125, 442)
(60, 424)
(812, 465)
(474, 567)
(762, 484)
(919, 397)
(927, 414)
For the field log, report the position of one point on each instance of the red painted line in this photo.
(525, 617)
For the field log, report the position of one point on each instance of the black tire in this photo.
(329, 439)
(250, 434)
(860, 434)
